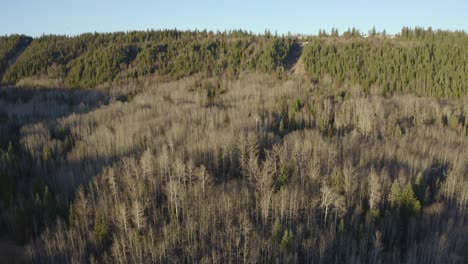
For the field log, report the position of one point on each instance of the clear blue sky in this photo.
(35, 17)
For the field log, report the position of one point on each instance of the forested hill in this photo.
(10, 47)
(416, 61)
(89, 60)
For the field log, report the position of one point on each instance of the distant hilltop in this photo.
(106, 59)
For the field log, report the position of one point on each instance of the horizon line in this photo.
(259, 33)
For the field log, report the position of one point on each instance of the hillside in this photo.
(200, 147)
(419, 62)
(90, 60)
(11, 47)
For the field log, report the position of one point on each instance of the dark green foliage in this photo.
(337, 181)
(288, 109)
(420, 62)
(276, 230)
(101, 229)
(287, 240)
(90, 60)
(101, 66)
(47, 52)
(281, 126)
(212, 54)
(374, 214)
(404, 199)
(72, 216)
(9, 47)
(283, 175)
(341, 227)
(46, 154)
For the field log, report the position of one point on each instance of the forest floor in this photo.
(10, 252)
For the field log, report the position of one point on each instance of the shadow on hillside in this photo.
(36, 104)
(293, 56)
(20, 48)
(22, 106)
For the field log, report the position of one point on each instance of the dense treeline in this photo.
(90, 60)
(247, 170)
(9, 47)
(421, 62)
(417, 61)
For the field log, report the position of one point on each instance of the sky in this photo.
(38, 17)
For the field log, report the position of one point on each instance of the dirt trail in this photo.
(294, 62)
(13, 59)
